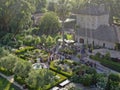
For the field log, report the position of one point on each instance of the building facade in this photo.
(94, 28)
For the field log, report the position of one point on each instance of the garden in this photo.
(107, 61)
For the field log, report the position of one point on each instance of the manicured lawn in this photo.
(5, 85)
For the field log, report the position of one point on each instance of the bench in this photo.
(55, 88)
(64, 83)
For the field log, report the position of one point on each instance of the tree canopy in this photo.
(15, 15)
(49, 24)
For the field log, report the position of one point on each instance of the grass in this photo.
(6, 85)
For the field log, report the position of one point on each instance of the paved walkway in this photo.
(11, 79)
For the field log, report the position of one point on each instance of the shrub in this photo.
(19, 80)
(52, 67)
(23, 49)
(87, 80)
(91, 71)
(112, 65)
(113, 82)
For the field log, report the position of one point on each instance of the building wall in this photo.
(118, 32)
(92, 22)
(96, 42)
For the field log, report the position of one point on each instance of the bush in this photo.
(87, 80)
(107, 62)
(113, 82)
(24, 49)
(19, 80)
(112, 65)
(91, 71)
(52, 67)
(3, 52)
(6, 72)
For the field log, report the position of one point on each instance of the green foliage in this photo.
(49, 24)
(67, 50)
(63, 9)
(58, 69)
(106, 61)
(15, 15)
(91, 71)
(112, 65)
(69, 37)
(101, 84)
(3, 52)
(38, 79)
(113, 82)
(24, 49)
(87, 80)
(22, 68)
(6, 85)
(19, 80)
(8, 62)
(30, 40)
(41, 6)
(107, 56)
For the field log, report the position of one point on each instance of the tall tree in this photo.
(41, 6)
(15, 15)
(63, 9)
(49, 24)
(39, 79)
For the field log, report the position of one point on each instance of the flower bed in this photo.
(64, 67)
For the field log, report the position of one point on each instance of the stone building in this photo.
(93, 27)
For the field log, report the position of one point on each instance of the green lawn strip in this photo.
(6, 85)
(108, 63)
(67, 74)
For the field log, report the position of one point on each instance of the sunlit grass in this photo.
(5, 85)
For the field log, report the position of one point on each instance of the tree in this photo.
(113, 82)
(49, 24)
(38, 79)
(51, 6)
(41, 6)
(77, 5)
(15, 15)
(63, 9)
(8, 62)
(22, 68)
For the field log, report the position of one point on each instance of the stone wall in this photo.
(92, 22)
(109, 45)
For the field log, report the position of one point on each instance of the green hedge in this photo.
(112, 65)
(6, 72)
(24, 49)
(108, 63)
(59, 71)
